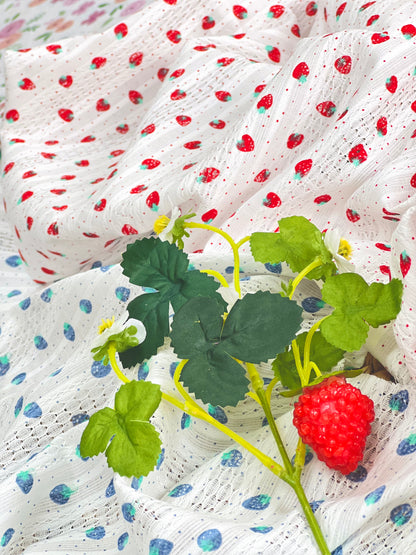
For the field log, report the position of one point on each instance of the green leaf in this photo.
(298, 242)
(134, 443)
(356, 306)
(352, 373)
(322, 353)
(162, 266)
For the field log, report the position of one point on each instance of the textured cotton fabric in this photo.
(243, 114)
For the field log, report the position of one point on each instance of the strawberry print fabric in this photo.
(244, 114)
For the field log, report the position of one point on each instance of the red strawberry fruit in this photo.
(302, 168)
(135, 97)
(207, 175)
(12, 116)
(326, 108)
(322, 199)
(405, 263)
(276, 11)
(54, 48)
(98, 62)
(178, 94)
(217, 123)
(240, 12)
(334, 418)
(149, 164)
(245, 144)
(65, 81)
(162, 72)
(208, 22)
(340, 10)
(209, 216)
(223, 96)
(223, 62)
(378, 38)
(294, 140)
(152, 201)
(135, 59)
(311, 8)
(273, 53)
(192, 145)
(301, 72)
(382, 126)
(357, 155)
(66, 114)
(26, 84)
(343, 64)
(262, 176)
(174, 36)
(102, 105)
(183, 120)
(121, 30)
(391, 84)
(272, 200)
(409, 31)
(264, 103)
(352, 215)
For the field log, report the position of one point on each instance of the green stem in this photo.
(307, 348)
(217, 275)
(317, 262)
(299, 367)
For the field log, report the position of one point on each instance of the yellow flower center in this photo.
(105, 324)
(160, 224)
(345, 249)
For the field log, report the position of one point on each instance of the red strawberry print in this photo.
(382, 126)
(48, 271)
(17, 233)
(51, 143)
(343, 64)
(390, 216)
(258, 90)
(240, 12)
(217, 123)
(295, 30)
(192, 145)
(385, 270)
(28, 174)
(149, 164)
(58, 191)
(301, 72)
(88, 139)
(340, 10)
(367, 5)
(357, 155)
(183, 120)
(26, 84)
(178, 94)
(223, 62)
(413, 106)
(24, 49)
(413, 181)
(148, 130)
(208, 22)
(152, 201)
(352, 215)
(177, 73)
(223, 96)
(343, 114)
(311, 8)
(276, 11)
(135, 97)
(98, 180)
(123, 128)
(372, 20)
(322, 199)
(405, 263)
(294, 140)
(187, 166)
(53, 229)
(48, 155)
(383, 247)
(264, 103)
(204, 48)
(174, 36)
(135, 59)
(326, 108)
(15, 141)
(378, 38)
(239, 36)
(117, 152)
(98, 62)
(334, 418)
(272, 200)
(302, 168)
(82, 163)
(12, 116)
(25, 196)
(66, 114)
(54, 48)
(121, 30)
(209, 216)
(273, 53)
(245, 144)
(112, 174)
(100, 205)
(409, 31)
(162, 72)
(65, 81)
(60, 208)
(391, 84)
(127, 229)
(170, 2)
(102, 105)
(138, 189)
(29, 222)
(7, 168)
(68, 177)
(90, 236)
(207, 175)
(262, 176)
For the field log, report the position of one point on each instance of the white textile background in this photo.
(179, 109)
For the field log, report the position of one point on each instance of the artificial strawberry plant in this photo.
(220, 346)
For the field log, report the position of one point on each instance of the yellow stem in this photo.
(254, 396)
(317, 262)
(313, 366)
(307, 348)
(112, 358)
(176, 377)
(298, 363)
(270, 389)
(216, 274)
(242, 241)
(299, 462)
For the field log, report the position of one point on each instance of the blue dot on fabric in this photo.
(61, 494)
(257, 503)
(19, 378)
(308, 456)
(157, 546)
(24, 305)
(18, 407)
(79, 418)
(46, 295)
(100, 370)
(69, 332)
(262, 529)
(96, 264)
(273, 268)
(96, 533)
(14, 261)
(401, 514)
(25, 481)
(337, 551)
(128, 511)
(110, 490)
(143, 371)
(210, 540)
(312, 304)
(229, 269)
(85, 305)
(14, 293)
(374, 496)
(407, 446)
(181, 490)
(218, 413)
(172, 368)
(122, 293)
(359, 475)
(136, 482)
(78, 453)
(4, 364)
(160, 459)
(185, 421)
(7, 536)
(32, 410)
(40, 342)
(316, 504)
(399, 401)
(232, 458)
(55, 373)
(122, 541)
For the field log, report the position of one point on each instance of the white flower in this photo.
(164, 225)
(340, 249)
